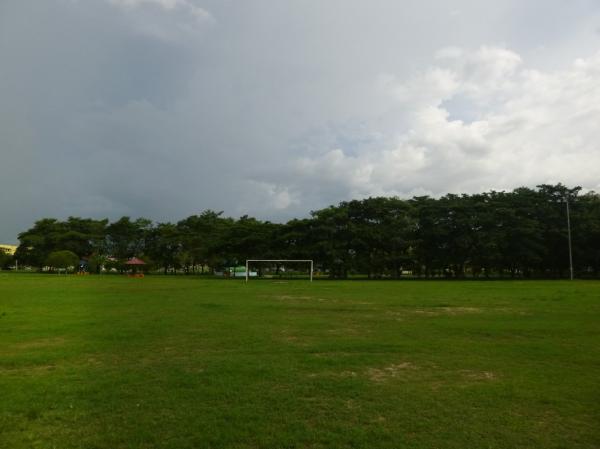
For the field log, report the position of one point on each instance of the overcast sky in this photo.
(164, 108)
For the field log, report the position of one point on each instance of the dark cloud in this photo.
(162, 108)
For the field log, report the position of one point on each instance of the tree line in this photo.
(521, 233)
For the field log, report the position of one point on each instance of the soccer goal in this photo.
(278, 261)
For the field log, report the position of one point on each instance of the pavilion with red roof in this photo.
(134, 263)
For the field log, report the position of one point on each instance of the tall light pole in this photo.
(569, 235)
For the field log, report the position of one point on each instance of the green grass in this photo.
(177, 362)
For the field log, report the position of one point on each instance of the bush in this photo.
(62, 259)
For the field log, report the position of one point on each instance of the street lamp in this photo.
(569, 235)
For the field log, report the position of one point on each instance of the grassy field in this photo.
(177, 362)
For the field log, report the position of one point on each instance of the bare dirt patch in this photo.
(334, 374)
(348, 331)
(333, 354)
(33, 370)
(93, 361)
(293, 339)
(299, 298)
(32, 345)
(390, 371)
(479, 375)
(439, 311)
(40, 343)
(403, 314)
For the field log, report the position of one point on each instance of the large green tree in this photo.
(82, 236)
(126, 238)
(203, 238)
(522, 233)
(164, 245)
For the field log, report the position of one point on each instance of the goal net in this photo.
(278, 267)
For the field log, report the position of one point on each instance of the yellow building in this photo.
(10, 249)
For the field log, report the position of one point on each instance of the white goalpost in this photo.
(248, 261)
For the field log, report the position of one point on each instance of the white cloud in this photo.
(172, 21)
(527, 127)
(263, 197)
(169, 5)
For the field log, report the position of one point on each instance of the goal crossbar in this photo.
(248, 261)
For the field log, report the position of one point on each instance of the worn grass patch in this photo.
(178, 362)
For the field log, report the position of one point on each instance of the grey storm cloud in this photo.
(164, 108)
